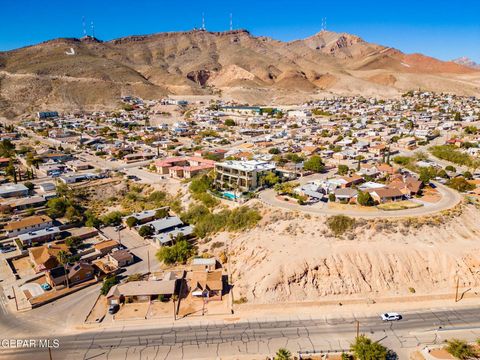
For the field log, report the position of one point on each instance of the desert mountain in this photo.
(465, 61)
(69, 73)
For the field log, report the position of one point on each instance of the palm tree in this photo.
(62, 258)
(283, 354)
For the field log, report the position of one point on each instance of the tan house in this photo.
(141, 291)
(28, 224)
(77, 273)
(104, 247)
(120, 258)
(46, 257)
(207, 284)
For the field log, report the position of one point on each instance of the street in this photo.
(260, 337)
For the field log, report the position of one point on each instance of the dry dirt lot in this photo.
(133, 311)
(23, 266)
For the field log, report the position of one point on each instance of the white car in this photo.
(391, 316)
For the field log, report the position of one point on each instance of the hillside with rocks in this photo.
(233, 64)
(294, 257)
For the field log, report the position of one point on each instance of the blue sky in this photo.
(443, 29)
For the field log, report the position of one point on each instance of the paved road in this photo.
(450, 198)
(259, 337)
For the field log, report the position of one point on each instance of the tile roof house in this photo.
(45, 257)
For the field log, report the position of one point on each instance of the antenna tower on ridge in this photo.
(203, 21)
(92, 26)
(231, 21)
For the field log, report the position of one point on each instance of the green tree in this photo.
(468, 175)
(161, 213)
(57, 207)
(283, 354)
(314, 164)
(270, 178)
(131, 222)
(274, 151)
(450, 168)
(365, 199)
(113, 218)
(73, 242)
(178, 253)
(426, 174)
(145, 231)
(92, 220)
(342, 170)
(230, 122)
(62, 257)
(108, 283)
(460, 349)
(366, 349)
(29, 185)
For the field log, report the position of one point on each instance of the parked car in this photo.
(119, 227)
(46, 286)
(391, 316)
(7, 249)
(112, 309)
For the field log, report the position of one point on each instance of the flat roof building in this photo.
(242, 175)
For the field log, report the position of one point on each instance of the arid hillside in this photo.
(294, 257)
(90, 74)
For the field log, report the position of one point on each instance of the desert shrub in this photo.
(460, 349)
(460, 184)
(339, 224)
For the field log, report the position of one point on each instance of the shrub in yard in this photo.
(460, 349)
(339, 224)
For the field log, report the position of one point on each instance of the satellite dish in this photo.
(70, 52)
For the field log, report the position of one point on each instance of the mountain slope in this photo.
(240, 65)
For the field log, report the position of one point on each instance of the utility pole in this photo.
(50, 353)
(119, 239)
(456, 290)
(357, 323)
(15, 297)
(148, 261)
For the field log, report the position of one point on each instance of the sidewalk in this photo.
(300, 311)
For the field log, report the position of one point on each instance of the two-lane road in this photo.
(258, 338)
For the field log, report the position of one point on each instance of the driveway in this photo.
(33, 288)
(450, 198)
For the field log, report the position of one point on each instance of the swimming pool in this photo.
(229, 195)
